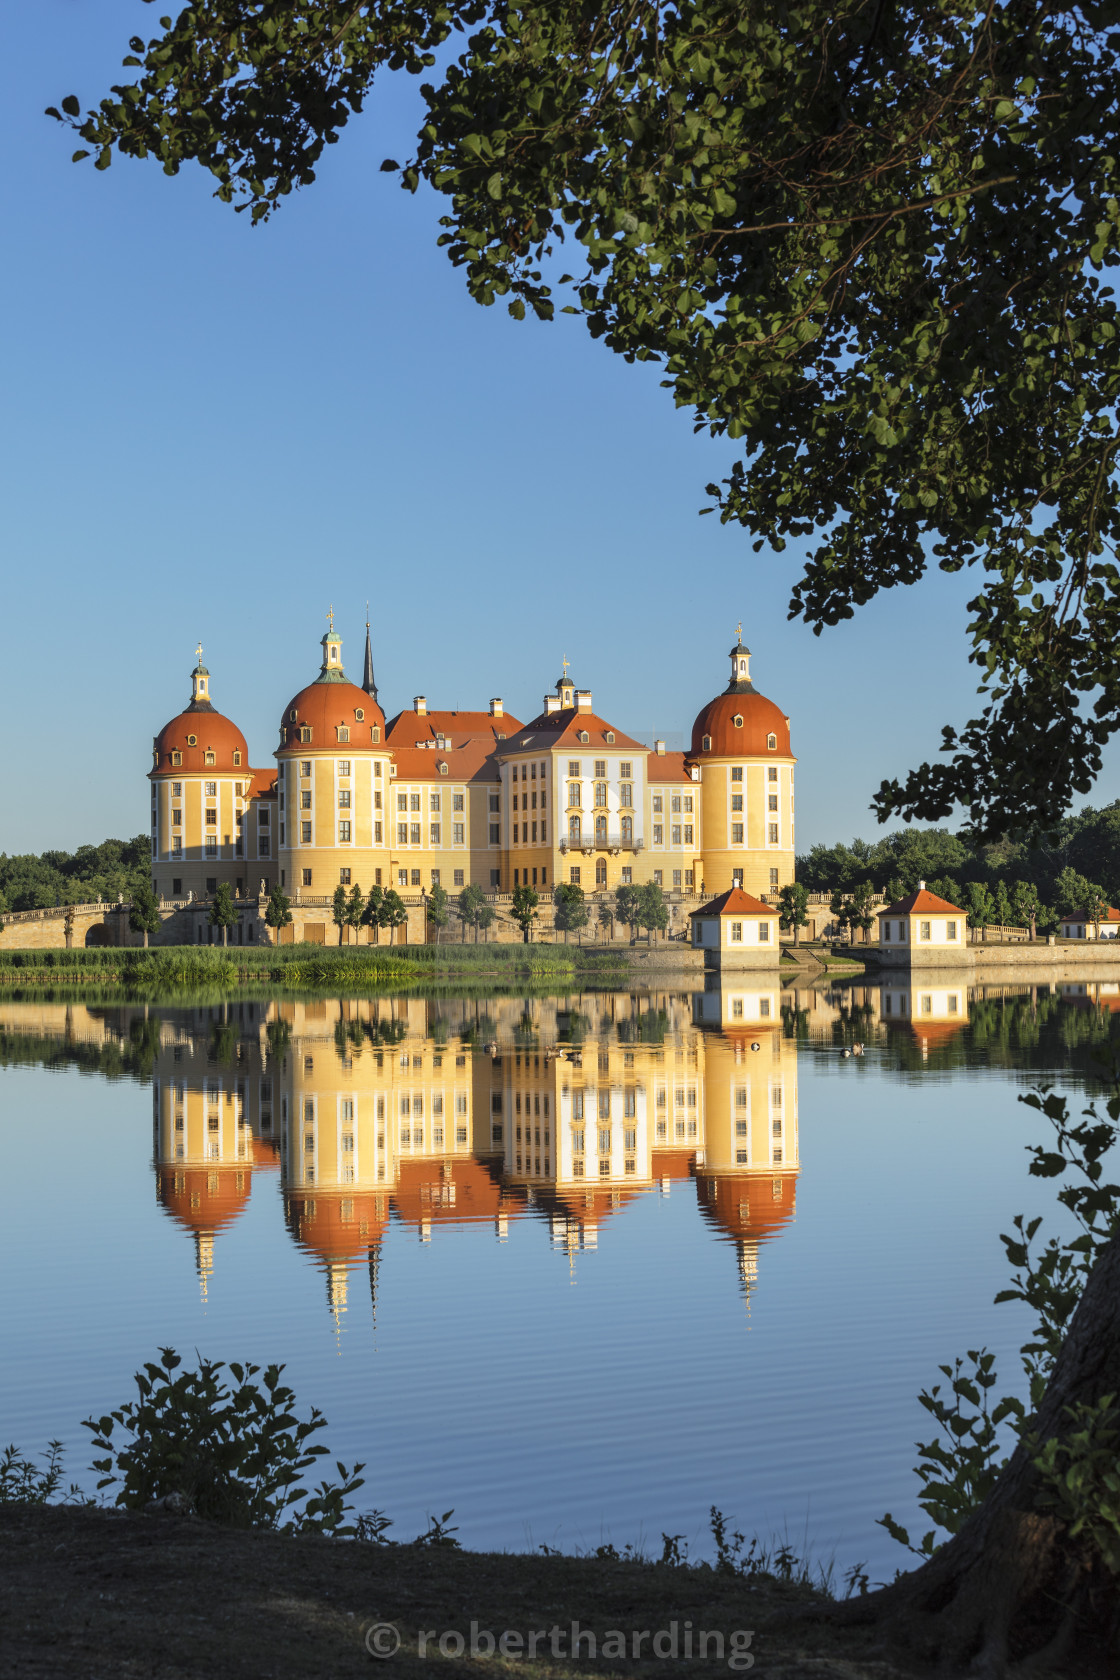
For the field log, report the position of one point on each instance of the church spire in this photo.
(368, 683)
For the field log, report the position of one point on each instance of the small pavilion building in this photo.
(736, 931)
(923, 929)
(1082, 925)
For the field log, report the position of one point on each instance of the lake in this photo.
(578, 1267)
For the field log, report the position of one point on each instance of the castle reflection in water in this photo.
(430, 1114)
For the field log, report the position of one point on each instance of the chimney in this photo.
(583, 699)
(659, 746)
(921, 886)
(496, 709)
(551, 704)
(420, 705)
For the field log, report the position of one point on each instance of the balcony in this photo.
(602, 842)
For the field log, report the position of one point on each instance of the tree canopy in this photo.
(36, 882)
(871, 242)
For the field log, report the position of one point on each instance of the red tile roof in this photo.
(736, 902)
(668, 767)
(471, 740)
(921, 903)
(1107, 915)
(555, 729)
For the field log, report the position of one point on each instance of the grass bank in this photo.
(85, 1591)
(194, 968)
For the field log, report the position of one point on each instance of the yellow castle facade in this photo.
(455, 798)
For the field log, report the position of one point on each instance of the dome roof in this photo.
(324, 708)
(738, 724)
(194, 733)
(337, 1224)
(203, 1198)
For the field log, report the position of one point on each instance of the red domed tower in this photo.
(201, 785)
(334, 782)
(741, 742)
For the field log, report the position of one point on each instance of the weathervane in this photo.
(330, 618)
(565, 662)
(198, 653)
(740, 630)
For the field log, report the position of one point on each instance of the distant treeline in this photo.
(1083, 849)
(30, 882)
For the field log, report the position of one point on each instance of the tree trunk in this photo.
(225, 935)
(796, 935)
(1012, 1585)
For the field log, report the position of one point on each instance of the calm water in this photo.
(578, 1267)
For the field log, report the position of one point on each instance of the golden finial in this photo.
(739, 632)
(330, 618)
(565, 663)
(198, 653)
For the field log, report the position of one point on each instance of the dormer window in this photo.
(237, 755)
(737, 720)
(443, 769)
(375, 732)
(771, 743)
(176, 758)
(292, 715)
(610, 737)
(211, 758)
(706, 743)
(192, 740)
(359, 714)
(305, 734)
(343, 732)
(584, 736)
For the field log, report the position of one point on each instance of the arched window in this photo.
(600, 831)
(743, 667)
(211, 758)
(292, 715)
(706, 743)
(375, 732)
(176, 758)
(601, 872)
(772, 743)
(237, 755)
(343, 732)
(627, 831)
(610, 736)
(305, 734)
(574, 831)
(584, 736)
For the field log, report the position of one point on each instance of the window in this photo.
(211, 815)
(600, 793)
(359, 714)
(414, 834)
(737, 720)
(951, 933)
(705, 743)
(305, 767)
(688, 834)
(342, 732)
(774, 880)
(344, 799)
(344, 766)
(402, 802)
(176, 758)
(211, 845)
(457, 831)
(414, 801)
(456, 801)
(344, 833)
(764, 933)
(177, 851)
(584, 737)
(457, 878)
(923, 930)
(736, 933)
(626, 794)
(495, 834)
(344, 877)
(176, 790)
(658, 834)
(433, 802)
(435, 883)
(600, 766)
(658, 802)
(192, 740)
(772, 833)
(688, 878)
(263, 818)
(402, 834)
(575, 794)
(736, 772)
(627, 831)
(434, 832)
(402, 877)
(772, 743)
(177, 886)
(676, 880)
(305, 735)
(305, 800)
(627, 875)
(736, 802)
(177, 818)
(573, 831)
(772, 802)
(211, 790)
(415, 878)
(307, 877)
(736, 834)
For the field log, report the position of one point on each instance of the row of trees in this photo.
(1086, 846)
(116, 868)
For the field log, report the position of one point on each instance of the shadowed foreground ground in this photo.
(96, 1594)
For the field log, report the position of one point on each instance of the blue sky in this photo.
(213, 432)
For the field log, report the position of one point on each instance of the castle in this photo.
(454, 798)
